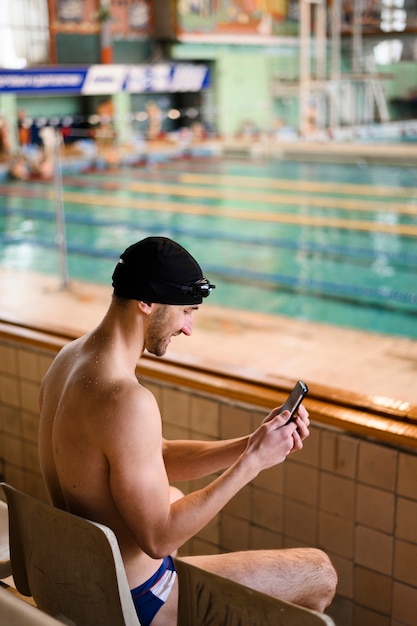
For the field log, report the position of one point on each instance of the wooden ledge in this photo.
(376, 417)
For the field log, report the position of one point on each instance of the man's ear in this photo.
(145, 307)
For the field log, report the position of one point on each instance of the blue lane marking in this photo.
(399, 258)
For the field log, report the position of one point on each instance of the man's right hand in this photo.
(274, 439)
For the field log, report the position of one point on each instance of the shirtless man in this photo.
(103, 456)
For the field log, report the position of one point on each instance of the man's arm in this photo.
(139, 482)
(191, 459)
(187, 460)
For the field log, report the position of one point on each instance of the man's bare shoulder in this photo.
(127, 394)
(127, 408)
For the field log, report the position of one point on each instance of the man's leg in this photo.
(304, 576)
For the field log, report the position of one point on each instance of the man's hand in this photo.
(275, 438)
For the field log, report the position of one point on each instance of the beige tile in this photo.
(176, 405)
(170, 431)
(375, 508)
(234, 421)
(337, 495)
(405, 560)
(8, 359)
(373, 590)
(29, 395)
(267, 510)
(9, 390)
(377, 465)
(344, 568)
(12, 421)
(31, 457)
(271, 479)
(407, 473)
(407, 520)
(366, 617)
(35, 486)
(13, 450)
(185, 549)
(45, 361)
(30, 426)
(200, 483)
(404, 604)
(289, 542)
(29, 365)
(198, 436)
(235, 533)
(199, 546)
(212, 532)
(336, 534)
(300, 522)
(257, 419)
(339, 454)
(374, 549)
(15, 476)
(265, 539)
(301, 483)
(310, 454)
(241, 504)
(204, 416)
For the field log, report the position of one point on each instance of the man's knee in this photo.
(175, 494)
(327, 582)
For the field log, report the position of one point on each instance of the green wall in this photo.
(242, 83)
(47, 106)
(402, 78)
(242, 79)
(75, 49)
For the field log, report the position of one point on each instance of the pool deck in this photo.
(249, 343)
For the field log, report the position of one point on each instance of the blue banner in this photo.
(107, 79)
(51, 80)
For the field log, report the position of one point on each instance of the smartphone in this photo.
(295, 398)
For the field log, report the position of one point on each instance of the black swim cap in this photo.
(158, 269)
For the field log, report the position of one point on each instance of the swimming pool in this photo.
(334, 243)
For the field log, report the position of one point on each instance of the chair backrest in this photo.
(71, 566)
(207, 599)
(15, 612)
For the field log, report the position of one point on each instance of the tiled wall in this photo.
(356, 499)
(21, 370)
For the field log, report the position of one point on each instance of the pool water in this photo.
(334, 243)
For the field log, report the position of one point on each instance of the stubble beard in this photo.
(157, 340)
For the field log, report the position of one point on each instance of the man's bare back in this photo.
(103, 457)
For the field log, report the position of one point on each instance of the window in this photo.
(393, 16)
(24, 33)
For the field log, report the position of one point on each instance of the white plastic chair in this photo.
(17, 612)
(73, 569)
(207, 600)
(70, 566)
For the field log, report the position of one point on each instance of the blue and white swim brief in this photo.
(152, 594)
